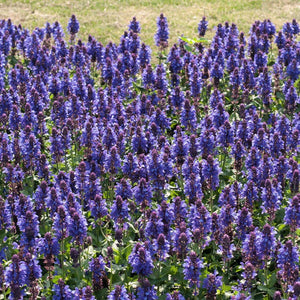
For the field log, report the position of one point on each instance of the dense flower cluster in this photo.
(122, 179)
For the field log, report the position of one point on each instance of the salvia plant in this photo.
(123, 179)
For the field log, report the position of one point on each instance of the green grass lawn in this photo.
(107, 19)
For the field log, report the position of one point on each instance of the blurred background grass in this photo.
(107, 19)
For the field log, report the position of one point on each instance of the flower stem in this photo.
(62, 258)
(211, 200)
(266, 276)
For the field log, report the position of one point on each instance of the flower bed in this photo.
(122, 179)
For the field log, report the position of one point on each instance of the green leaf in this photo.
(226, 288)
(173, 270)
(272, 280)
(2, 234)
(139, 87)
(195, 40)
(188, 48)
(133, 227)
(127, 250)
(281, 227)
(263, 288)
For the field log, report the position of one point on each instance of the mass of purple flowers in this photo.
(121, 178)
